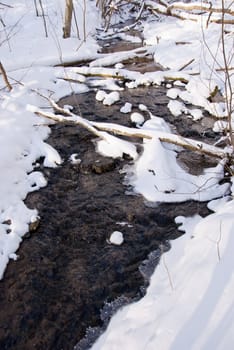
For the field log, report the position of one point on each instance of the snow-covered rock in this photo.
(127, 108)
(116, 238)
(101, 95)
(137, 118)
(111, 98)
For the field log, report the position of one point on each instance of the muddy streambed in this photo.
(68, 278)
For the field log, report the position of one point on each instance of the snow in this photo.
(19, 22)
(196, 114)
(101, 95)
(157, 175)
(107, 99)
(119, 65)
(142, 107)
(177, 108)
(68, 107)
(74, 158)
(137, 118)
(189, 302)
(173, 93)
(113, 147)
(126, 108)
(111, 98)
(116, 238)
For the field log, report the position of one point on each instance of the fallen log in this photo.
(101, 130)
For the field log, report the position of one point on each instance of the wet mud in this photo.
(68, 278)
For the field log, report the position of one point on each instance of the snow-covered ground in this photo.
(189, 303)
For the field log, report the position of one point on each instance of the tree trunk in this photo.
(68, 19)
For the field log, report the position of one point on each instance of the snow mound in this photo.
(116, 238)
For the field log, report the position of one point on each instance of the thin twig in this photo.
(228, 84)
(84, 20)
(219, 240)
(3, 4)
(36, 9)
(5, 78)
(76, 23)
(141, 10)
(186, 65)
(168, 272)
(44, 20)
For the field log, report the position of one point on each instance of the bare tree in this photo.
(229, 90)
(68, 19)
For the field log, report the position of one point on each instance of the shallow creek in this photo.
(68, 278)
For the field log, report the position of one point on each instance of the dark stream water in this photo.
(68, 278)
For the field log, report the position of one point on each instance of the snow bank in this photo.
(189, 303)
(21, 143)
(25, 47)
(159, 178)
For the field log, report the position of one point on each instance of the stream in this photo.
(69, 279)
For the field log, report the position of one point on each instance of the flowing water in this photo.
(68, 279)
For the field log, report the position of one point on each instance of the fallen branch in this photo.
(118, 57)
(176, 11)
(190, 144)
(186, 65)
(70, 63)
(102, 131)
(149, 78)
(193, 145)
(198, 7)
(120, 74)
(220, 21)
(70, 120)
(117, 129)
(94, 127)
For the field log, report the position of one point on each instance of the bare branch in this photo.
(181, 11)
(186, 65)
(44, 20)
(3, 4)
(194, 145)
(219, 240)
(5, 78)
(36, 9)
(177, 140)
(94, 127)
(228, 84)
(198, 7)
